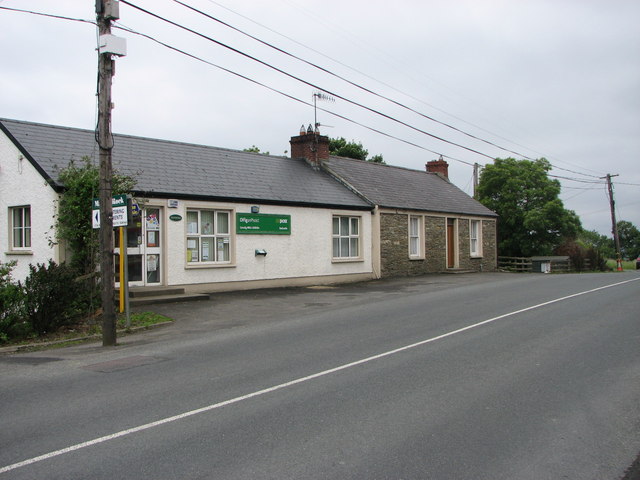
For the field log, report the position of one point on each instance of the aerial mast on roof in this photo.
(319, 96)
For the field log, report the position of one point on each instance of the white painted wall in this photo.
(306, 252)
(21, 185)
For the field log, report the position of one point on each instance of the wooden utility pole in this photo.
(106, 10)
(476, 170)
(614, 228)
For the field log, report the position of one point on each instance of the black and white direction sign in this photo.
(119, 205)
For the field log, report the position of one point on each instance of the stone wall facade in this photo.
(489, 245)
(394, 245)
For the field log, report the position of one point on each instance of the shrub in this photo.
(596, 259)
(580, 254)
(576, 254)
(53, 297)
(13, 323)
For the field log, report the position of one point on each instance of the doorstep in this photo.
(153, 295)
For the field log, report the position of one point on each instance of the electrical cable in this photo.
(579, 188)
(573, 171)
(359, 87)
(364, 74)
(577, 179)
(246, 55)
(625, 183)
(319, 88)
(244, 77)
(577, 194)
(394, 88)
(354, 84)
(291, 97)
(49, 15)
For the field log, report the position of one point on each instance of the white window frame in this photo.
(475, 238)
(211, 252)
(23, 230)
(416, 236)
(345, 238)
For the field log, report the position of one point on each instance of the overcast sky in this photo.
(558, 79)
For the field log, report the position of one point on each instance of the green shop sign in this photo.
(263, 223)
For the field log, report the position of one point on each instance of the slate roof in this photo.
(397, 187)
(181, 170)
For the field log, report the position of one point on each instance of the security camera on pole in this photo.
(109, 46)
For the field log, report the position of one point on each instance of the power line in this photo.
(268, 65)
(329, 72)
(333, 74)
(315, 86)
(364, 74)
(122, 27)
(573, 171)
(632, 184)
(576, 179)
(60, 17)
(565, 187)
(400, 91)
(291, 97)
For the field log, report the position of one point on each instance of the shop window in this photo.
(208, 236)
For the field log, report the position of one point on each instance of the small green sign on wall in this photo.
(263, 224)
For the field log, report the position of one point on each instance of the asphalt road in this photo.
(480, 376)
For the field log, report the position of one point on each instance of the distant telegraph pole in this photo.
(109, 45)
(614, 228)
(476, 170)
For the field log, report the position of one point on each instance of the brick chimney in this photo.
(439, 166)
(311, 146)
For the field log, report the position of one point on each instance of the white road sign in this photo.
(119, 205)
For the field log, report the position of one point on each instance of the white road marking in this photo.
(215, 406)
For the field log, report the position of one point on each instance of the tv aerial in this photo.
(322, 96)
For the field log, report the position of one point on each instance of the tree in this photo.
(629, 237)
(341, 148)
(597, 241)
(532, 218)
(73, 221)
(254, 149)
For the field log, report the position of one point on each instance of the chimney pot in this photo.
(310, 146)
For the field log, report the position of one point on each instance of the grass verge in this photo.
(626, 264)
(86, 331)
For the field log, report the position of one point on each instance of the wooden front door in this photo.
(451, 244)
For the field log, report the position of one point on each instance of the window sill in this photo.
(416, 259)
(200, 266)
(19, 252)
(347, 260)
